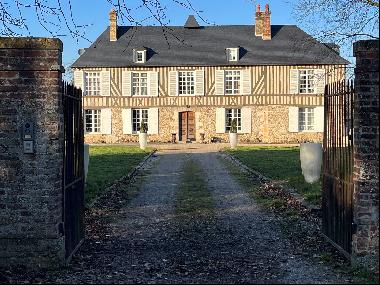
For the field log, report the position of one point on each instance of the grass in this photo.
(280, 163)
(110, 163)
(193, 196)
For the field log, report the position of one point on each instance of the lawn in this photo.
(280, 163)
(109, 163)
(193, 196)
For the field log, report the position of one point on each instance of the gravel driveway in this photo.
(147, 241)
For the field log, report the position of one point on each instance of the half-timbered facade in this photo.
(191, 81)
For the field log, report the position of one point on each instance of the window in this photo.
(92, 121)
(306, 81)
(139, 56)
(306, 119)
(139, 116)
(232, 82)
(139, 84)
(92, 83)
(233, 114)
(186, 82)
(232, 54)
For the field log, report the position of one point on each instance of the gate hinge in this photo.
(61, 228)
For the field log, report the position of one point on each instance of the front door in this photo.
(187, 126)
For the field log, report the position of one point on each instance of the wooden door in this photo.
(187, 126)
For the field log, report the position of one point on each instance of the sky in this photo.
(94, 14)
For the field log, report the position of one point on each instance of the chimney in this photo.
(259, 22)
(267, 35)
(263, 27)
(113, 25)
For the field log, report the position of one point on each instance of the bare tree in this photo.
(57, 16)
(339, 21)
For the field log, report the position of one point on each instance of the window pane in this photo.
(232, 82)
(233, 114)
(306, 81)
(186, 82)
(301, 119)
(92, 83)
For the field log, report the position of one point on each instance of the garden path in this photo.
(147, 241)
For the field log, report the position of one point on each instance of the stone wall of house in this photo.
(269, 125)
(366, 154)
(31, 184)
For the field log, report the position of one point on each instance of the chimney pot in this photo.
(267, 8)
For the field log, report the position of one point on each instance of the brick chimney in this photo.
(259, 22)
(262, 26)
(113, 25)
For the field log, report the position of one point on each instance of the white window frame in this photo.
(235, 77)
(138, 118)
(308, 76)
(137, 84)
(232, 54)
(140, 56)
(186, 83)
(306, 119)
(95, 124)
(92, 83)
(230, 114)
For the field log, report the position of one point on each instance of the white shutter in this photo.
(245, 82)
(79, 80)
(126, 83)
(105, 82)
(293, 120)
(173, 83)
(199, 82)
(127, 121)
(219, 82)
(294, 78)
(246, 120)
(153, 123)
(153, 83)
(320, 81)
(319, 119)
(106, 121)
(220, 122)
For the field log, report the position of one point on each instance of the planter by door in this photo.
(233, 140)
(311, 161)
(143, 138)
(186, 126)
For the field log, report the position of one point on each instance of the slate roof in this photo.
(205, 46)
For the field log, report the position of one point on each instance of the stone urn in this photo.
(311, 161)
(143, 140)
(86, 159)
(233, 134)
(233, 140)
(143, 136)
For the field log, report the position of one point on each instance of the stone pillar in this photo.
(366, 154)
(31, 183)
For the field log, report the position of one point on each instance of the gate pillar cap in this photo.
(31, 43)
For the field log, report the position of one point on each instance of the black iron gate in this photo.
(338, 165)
(73, 178)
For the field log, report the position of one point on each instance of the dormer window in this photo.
(139, 55)
(232, 54)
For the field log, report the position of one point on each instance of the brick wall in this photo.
(30, 184)
(366, 153)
